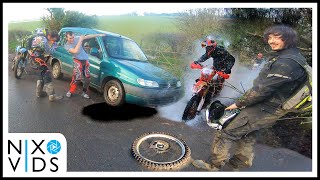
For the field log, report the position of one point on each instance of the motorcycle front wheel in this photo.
(190, 111)
(19, 67)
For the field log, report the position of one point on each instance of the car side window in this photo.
(92, 47)
(113, 46)
(63, 39)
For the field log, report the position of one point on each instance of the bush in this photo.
(59, 18)
(14, 37)
(173, 42)
(166, 50)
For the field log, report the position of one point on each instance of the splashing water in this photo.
(241, 78)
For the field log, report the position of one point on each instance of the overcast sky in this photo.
(32, 11)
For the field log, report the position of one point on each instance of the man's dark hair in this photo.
(69, 33)
(53, 34)
(287, 33)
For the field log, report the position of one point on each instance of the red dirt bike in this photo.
(206, 87)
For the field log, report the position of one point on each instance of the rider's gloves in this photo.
(196, 62)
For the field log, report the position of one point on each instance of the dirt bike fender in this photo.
(198, 86)
(22, 50)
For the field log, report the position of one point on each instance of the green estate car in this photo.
(119, 69)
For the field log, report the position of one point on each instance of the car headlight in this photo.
(179, 84)
(147, 83)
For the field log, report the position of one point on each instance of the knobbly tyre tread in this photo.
(195, 99)
(159, 166)
(15, 69)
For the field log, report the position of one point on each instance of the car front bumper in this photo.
(152, 97)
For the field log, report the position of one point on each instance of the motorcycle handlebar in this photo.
(220, 73)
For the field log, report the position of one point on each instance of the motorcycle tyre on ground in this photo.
(190, 111)
(18, 70)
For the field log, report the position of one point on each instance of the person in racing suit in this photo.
(43, 45)
(257, 61)
(222, 61)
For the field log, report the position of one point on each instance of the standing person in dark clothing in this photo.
(44, 44)
(257, 61)
(222, 59)
(262, 105)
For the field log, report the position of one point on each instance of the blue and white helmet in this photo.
(40, 31)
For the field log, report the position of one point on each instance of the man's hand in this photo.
(233, 106)
(38, 40)
(93, 36)
(82, 37)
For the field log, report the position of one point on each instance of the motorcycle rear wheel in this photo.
(191, 109)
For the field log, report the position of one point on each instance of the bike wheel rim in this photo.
(55, 70)
(181, 145)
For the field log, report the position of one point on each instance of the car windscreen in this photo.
(121, 48)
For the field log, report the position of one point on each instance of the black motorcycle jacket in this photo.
(277, 81)
(222, 59)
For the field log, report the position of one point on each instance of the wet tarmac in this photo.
(99, 137)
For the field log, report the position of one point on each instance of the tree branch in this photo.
(256, 35)
(305, 49)
(306, 41)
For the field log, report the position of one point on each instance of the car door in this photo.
(95, 57)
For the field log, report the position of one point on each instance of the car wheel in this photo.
(56, 70)
(114, 93)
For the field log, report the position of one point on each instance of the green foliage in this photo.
(25, 26)
(198, 23)
(166, 41)
(54, 21)
(169, 63)
(59, 18)
(240, 33)
(76, 19)
(15, 38)
(138, 28)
